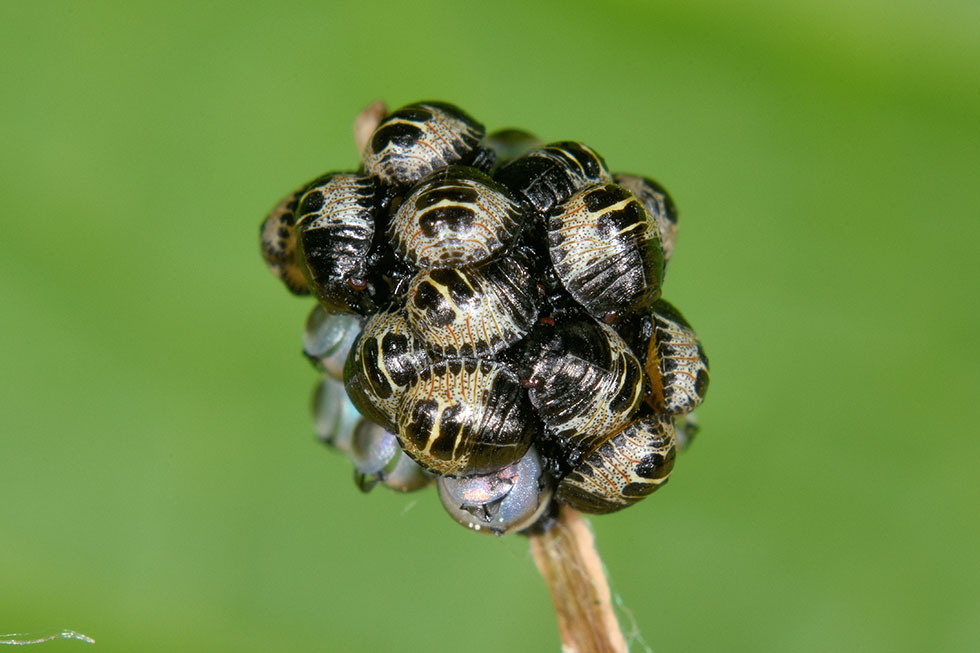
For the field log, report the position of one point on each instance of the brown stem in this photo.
(367, 121)
(569, 562)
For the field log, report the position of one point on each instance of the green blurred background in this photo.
(160, 488)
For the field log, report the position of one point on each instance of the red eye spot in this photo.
(609, 317)
(357, 283)
(550, 321)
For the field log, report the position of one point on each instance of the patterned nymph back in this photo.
(489, 319)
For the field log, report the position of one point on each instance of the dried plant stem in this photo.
(569, 562)
(367, 121)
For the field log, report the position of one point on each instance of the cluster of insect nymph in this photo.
(489, 319)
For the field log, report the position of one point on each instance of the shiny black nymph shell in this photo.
(584, 382)
(464, 416)
(419, 138)
(454, 216)
(659, 205)
(548, 176)
(475, 310)
(673, 359)
(606, 251)
(335, 229)
(384, 361)
(625, 467)
(277, 240)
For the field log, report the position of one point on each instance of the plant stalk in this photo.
(570, 564)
